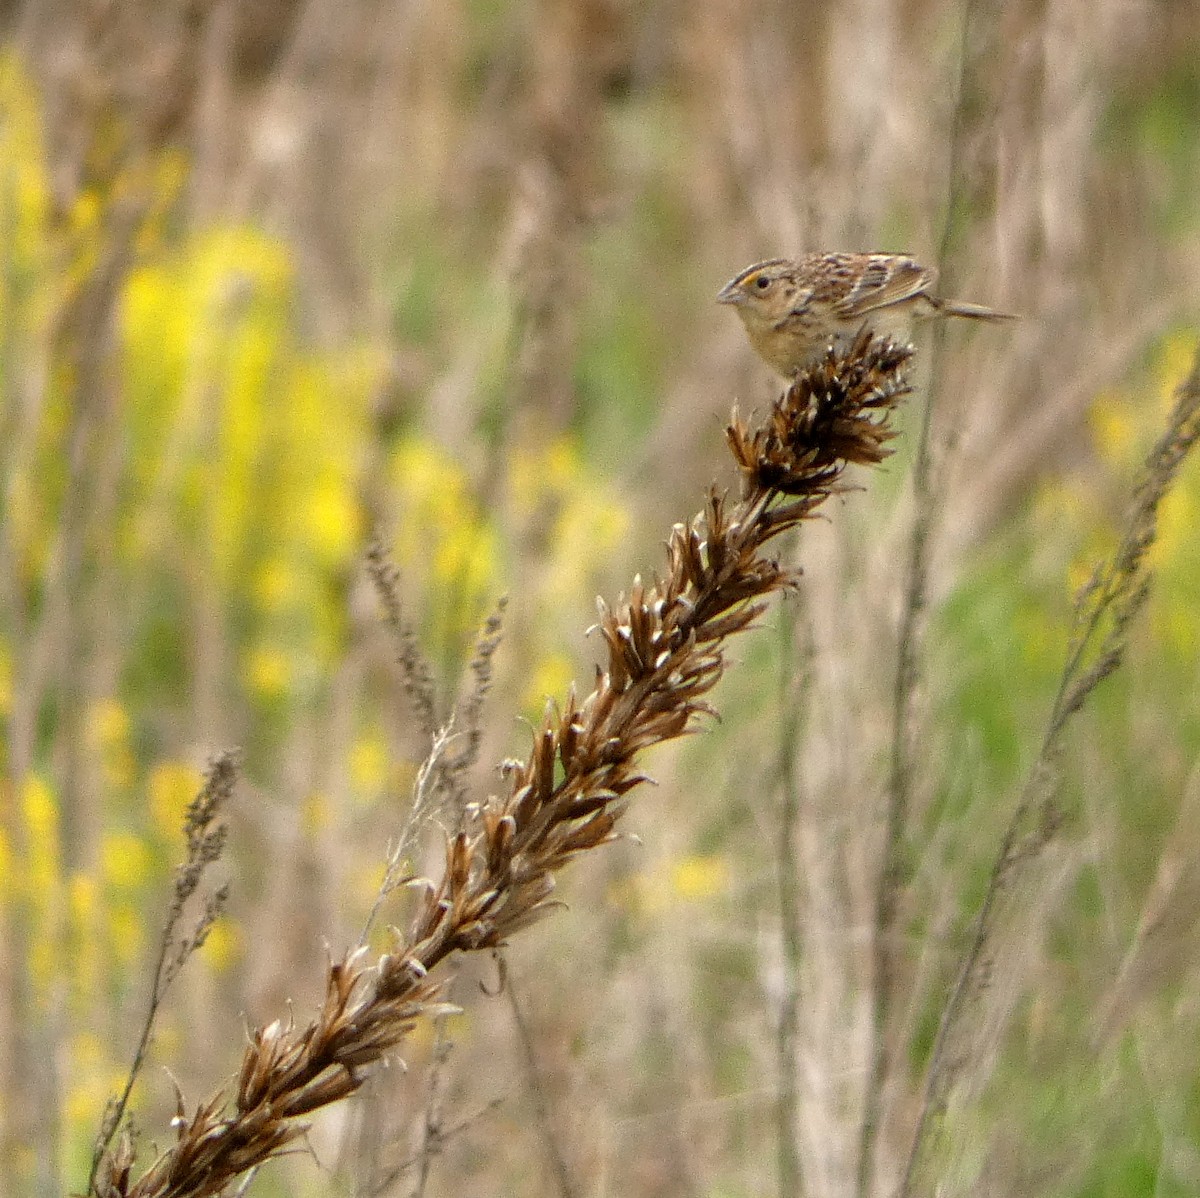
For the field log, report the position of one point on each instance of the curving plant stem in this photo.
(664, 649)
(1104, 610)
(795, 668)
(896, 864)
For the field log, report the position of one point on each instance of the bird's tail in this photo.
(971, 311)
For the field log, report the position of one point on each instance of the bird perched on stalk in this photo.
(794, 308)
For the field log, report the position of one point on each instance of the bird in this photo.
(795, 308)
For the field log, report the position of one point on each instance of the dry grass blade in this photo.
(440, 789)
(1118, 588)
(416, 671)
(1104, 611)
(205, 837)
(470, 708)
(665, 651)
(929, 502)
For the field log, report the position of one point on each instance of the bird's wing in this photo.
(883, 279)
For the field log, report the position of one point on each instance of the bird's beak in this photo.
(731, 294)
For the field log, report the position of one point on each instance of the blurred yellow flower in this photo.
(87, 954)
(7, 880)
(45, 966)
(1176, 524)
(701, 877)
(222, 946)
(465, 560)
(108, 723)
(93, 1079)
(561, 462)
(543, 473)
(316, 815)
(1054, 501)
(22, 515)
(268, 672)
(40, 809)
(1079, 573)
(5, 681)
(86, 214)
(587, 531)
(125, 860)
(274, 584)
(1116, 426)
(25, 195)
(432, 497)
(169, 174)
(85, 1098)
(587, 523)
(82, 899)
(421, 470)
(444, 540)
(1174, 622)
(610, 524)
(38, 874)
(1172, 364)
(332, 521)
(168, 1038)
(368, 764)
(363, 882)
(458, 1028)
(126, 933)
(549, 679)
(19, 100)
(230, 259)
(108, 737)
(173, 785)
(87, 1051)
(697, 878)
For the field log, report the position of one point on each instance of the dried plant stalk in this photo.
(204, 834)
(665, 651)
(1104, 611)
(929, 501)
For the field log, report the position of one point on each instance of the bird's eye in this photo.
(762, 282)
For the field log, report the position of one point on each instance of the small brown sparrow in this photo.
(794, 308)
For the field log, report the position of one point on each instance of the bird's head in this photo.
(763, 293)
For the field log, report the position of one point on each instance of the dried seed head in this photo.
(664, 650)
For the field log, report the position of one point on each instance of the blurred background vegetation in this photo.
(276, 275)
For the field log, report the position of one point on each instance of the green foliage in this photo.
(624, 344)
(1161, 123)
(216, 477)
(238, 460)
(1001, 640)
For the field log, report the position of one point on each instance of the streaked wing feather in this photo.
(885, 279)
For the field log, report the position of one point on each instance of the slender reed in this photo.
(896, 865)
(664, 646)
(1104, 611)
(432, 1131)
(793, 676)
(205, 836)
(537, 1091)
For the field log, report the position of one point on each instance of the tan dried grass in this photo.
(665, 651)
